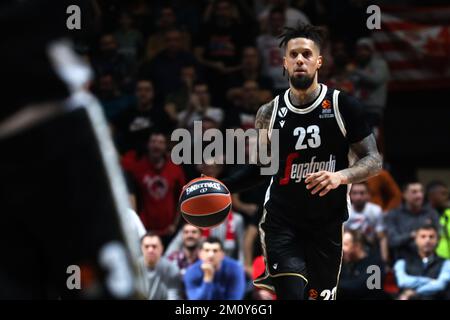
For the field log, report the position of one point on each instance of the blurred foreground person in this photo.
(64, 231)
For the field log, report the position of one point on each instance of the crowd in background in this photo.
(162, 66)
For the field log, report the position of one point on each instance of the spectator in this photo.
(339, 76)
(367, 218)
(162, 276)
(135, 124)
(159, 183)
(272, 55)
(111, 98)
(177, 101)
(199, 106)
(293, 15)
(129, 39)
(165, 68)
(219, 46)
(384, 191)
(402, 223)
(189, 252)
(437, 197)
(246, 103)
(355, 271)
(250, 70)
(215, 276)
(370, 76)
(108, 60)
(424, 275)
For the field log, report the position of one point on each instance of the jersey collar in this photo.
(291, 107)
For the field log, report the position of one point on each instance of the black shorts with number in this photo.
(312, 252)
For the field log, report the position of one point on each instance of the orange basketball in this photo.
(205, 202)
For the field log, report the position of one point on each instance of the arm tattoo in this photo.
(264, 115)
(262, 121)
(369, 161)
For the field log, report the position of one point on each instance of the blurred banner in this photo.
(415, 42)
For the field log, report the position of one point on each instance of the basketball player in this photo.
(64, 230)
(324, 146)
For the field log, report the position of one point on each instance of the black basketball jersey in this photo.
(311, 139)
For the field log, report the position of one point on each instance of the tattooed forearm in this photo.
(369, 161)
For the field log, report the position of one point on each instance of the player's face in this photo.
(191, 236)
(414, 195)
(212, 253)
(359, 195)
(151, 249)
(302, 60)
(426, 240)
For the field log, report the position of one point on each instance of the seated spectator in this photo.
(424, 275)
(355, 271)
(215, 276)
(250, 70)
(339, 76)
(402, 223)
(188, 254)
(199, 106)
(108, 60)
(167, 20)
(367, 218)
(163, 280)
(371, 76)
(129, 39)
(159, 182)
(112, 99)
(271, 54)
(293, 15)
(384, 191)
(177, 101)
(245, 104)
(165, 68)
(437, 198)
(134, 125)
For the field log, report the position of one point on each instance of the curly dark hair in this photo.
(308, 31)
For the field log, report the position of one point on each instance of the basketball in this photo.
(205, 202)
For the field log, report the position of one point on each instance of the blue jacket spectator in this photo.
(424, 275)
(214, 276)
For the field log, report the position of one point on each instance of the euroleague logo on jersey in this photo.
(327, 111)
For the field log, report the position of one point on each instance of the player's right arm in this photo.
(249, 175)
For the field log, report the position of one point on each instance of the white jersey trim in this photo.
(311, 107)
(337, 113)
(274, 115)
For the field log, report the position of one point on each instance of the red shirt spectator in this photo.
(159, 183)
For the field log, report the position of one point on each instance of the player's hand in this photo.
(323, 181)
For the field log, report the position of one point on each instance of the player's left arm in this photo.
(369, 163)
(362, 144)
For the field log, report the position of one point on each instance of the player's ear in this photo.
(319, 61)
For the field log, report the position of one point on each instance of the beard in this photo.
(302, 82)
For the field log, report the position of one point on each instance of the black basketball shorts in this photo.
(312, 252)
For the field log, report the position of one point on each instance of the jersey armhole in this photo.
(274, 115)
(337, 113)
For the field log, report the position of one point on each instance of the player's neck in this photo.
(301, 97)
